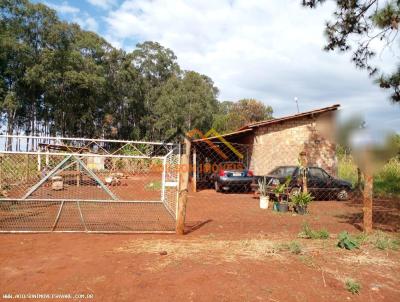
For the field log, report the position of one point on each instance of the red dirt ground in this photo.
(233, 252)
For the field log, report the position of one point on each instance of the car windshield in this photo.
(283, 171)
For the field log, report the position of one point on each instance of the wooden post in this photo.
(358, 184)
(303, 165)
(194, 178)
(367, 209)
(1, 174)
(183, 189)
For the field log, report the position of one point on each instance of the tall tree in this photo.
(365, 21)
(234, 115)
(186, 103)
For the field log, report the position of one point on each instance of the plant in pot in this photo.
(281, 203)
(263, 191)
(301, 201)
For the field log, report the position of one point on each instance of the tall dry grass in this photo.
(386, 180)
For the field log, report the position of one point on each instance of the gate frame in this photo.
(169, 147)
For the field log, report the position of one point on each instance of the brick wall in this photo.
(280, 144)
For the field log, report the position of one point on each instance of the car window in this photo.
(283, 171)
(317, 173)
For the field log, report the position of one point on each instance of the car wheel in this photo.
(343, 194)
(217, 187)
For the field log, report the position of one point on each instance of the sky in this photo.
(268, 50)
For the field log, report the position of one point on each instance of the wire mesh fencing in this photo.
(290, 177)
(61, 184)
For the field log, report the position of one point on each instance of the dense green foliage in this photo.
(356, 24)
(57, 79)
(233, 115)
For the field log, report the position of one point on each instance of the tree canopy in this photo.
(357, 25)
(57, 79)
(234, 115)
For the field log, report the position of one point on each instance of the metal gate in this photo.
(87, 185)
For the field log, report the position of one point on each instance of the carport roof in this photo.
(250, 127)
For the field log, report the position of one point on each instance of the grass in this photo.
(308, 233)
(293, 246)
(386, 180)
(153, 186)
(352, 286)
(382, 241)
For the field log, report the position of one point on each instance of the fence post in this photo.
(183, 189)
(303, 165)
(367, 200)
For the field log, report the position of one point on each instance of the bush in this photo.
(387, 181)
(346, 241)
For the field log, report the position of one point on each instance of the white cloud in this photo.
(63, 8)
(87, 22)
(104, 4)
(271, 50)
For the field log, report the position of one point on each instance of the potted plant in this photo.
(300, 202)
(263, 191)
(281, 204)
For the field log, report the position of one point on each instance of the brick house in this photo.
(276, 142)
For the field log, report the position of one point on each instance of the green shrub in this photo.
(346, 241)
(352, 286)
(387, 181)
(347, 169)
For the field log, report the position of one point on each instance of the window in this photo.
(317, 173)
(283, 171)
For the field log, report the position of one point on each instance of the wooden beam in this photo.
(183, 189)
(367, 200)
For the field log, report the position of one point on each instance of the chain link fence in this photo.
(62, 184)
(291, 177)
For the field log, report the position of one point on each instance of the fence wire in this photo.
(93, 186)
(283, 171)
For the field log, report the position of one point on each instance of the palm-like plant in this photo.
(263, 187)
(301, 199)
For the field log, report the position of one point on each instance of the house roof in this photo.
(250, 127)
(291, 117)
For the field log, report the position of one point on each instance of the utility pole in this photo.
(297, 103)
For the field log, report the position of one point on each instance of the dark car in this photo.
(319, 183)
(232, 176)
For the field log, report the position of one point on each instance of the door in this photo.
(318, 182)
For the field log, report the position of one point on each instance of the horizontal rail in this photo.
(85, 139)
(82, 154)
(80, 200)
